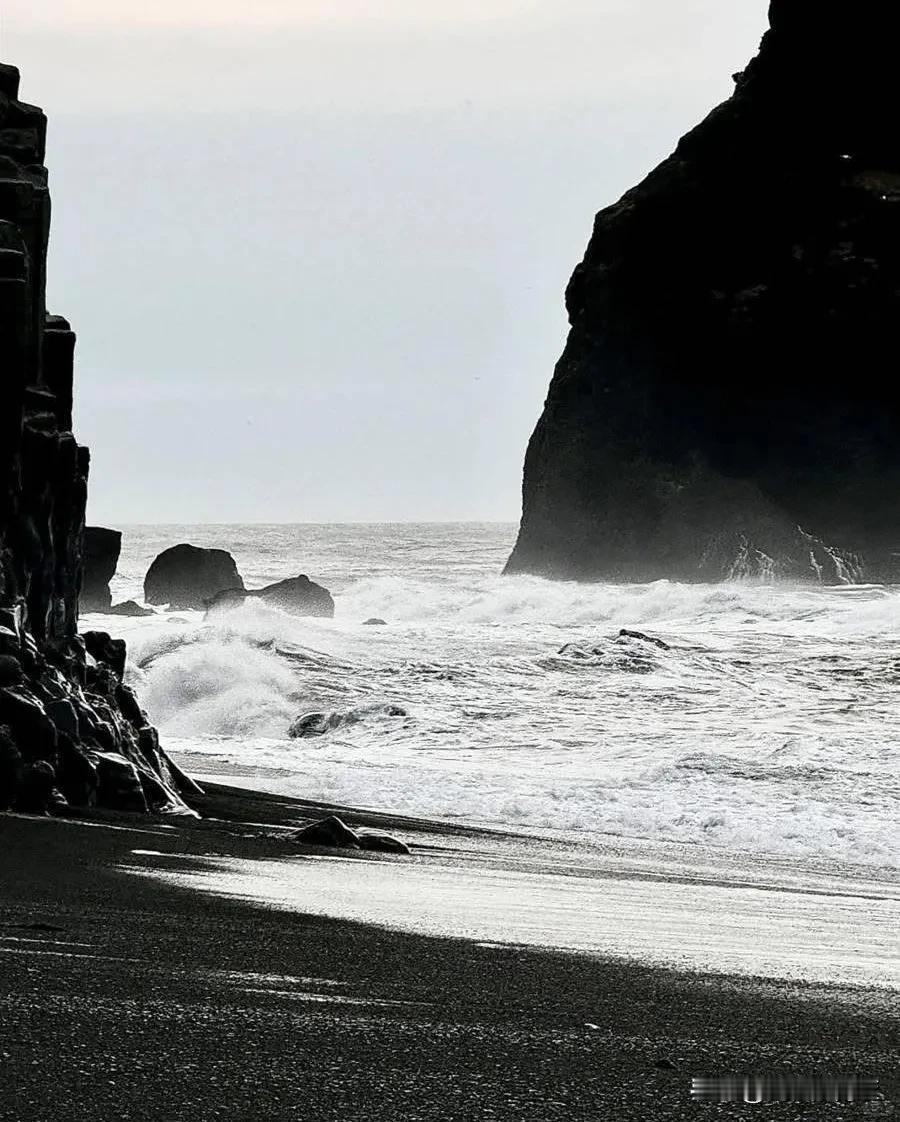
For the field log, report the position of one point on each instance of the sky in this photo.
(315, 252)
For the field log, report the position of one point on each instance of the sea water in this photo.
(767, 723)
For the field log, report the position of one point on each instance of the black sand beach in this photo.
(124, 997)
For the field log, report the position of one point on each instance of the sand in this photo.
(128, 991)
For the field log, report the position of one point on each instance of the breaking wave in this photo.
(753, 718)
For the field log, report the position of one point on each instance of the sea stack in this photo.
(726, 404)
(71, 732)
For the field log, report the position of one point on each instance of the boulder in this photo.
(187, 577)
(331, 832)
(317, 724)
(298, 595)
(374, 622)
(313, 724)
(100, 558)
(721, 409)
(334, 833)
(129, 608)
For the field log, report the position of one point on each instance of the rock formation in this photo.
(726, 403)
(186, 577)
(101, 556)
(298, 596)
(71, 732)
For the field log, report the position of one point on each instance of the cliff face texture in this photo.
(70, 731)
(728, 403)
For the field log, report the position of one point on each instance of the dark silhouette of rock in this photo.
(61, 705)
(334, 833)
(106, 650)
(101, 556)
(331, 832)
(722, 407)
(641, 637)
(297, 595)
(374, 622)
(129, 608)
(119, 783)
(187, 577)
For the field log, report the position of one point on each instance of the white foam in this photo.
(769, 726)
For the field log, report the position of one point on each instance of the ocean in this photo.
(767, 723)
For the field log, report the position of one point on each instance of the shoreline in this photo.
(149, 999)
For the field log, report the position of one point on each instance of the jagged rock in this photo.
(721, 407)
(101, 556)
(331, 831)
(119, 784)
(62, 713)
(186, 577)
(298, 595)
(62, 704)
(24, 715)
(106, 650)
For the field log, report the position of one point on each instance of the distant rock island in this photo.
(727, 403)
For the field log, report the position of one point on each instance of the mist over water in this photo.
(769, 726)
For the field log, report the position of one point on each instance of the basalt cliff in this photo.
(72, 734)
(728, 401)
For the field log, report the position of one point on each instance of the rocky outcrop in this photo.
(186, 577)
(67, 720)
(101, 556)
(725, 404)
(298, 596)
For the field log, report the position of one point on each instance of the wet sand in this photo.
(125, 994)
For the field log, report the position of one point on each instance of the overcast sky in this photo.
(315, 252)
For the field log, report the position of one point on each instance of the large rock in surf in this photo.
(297, 595)
(101, 556)
(187, 577)
(60, 706)
(725, 404)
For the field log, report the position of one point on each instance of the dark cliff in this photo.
(71, 732)
(728, 401)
